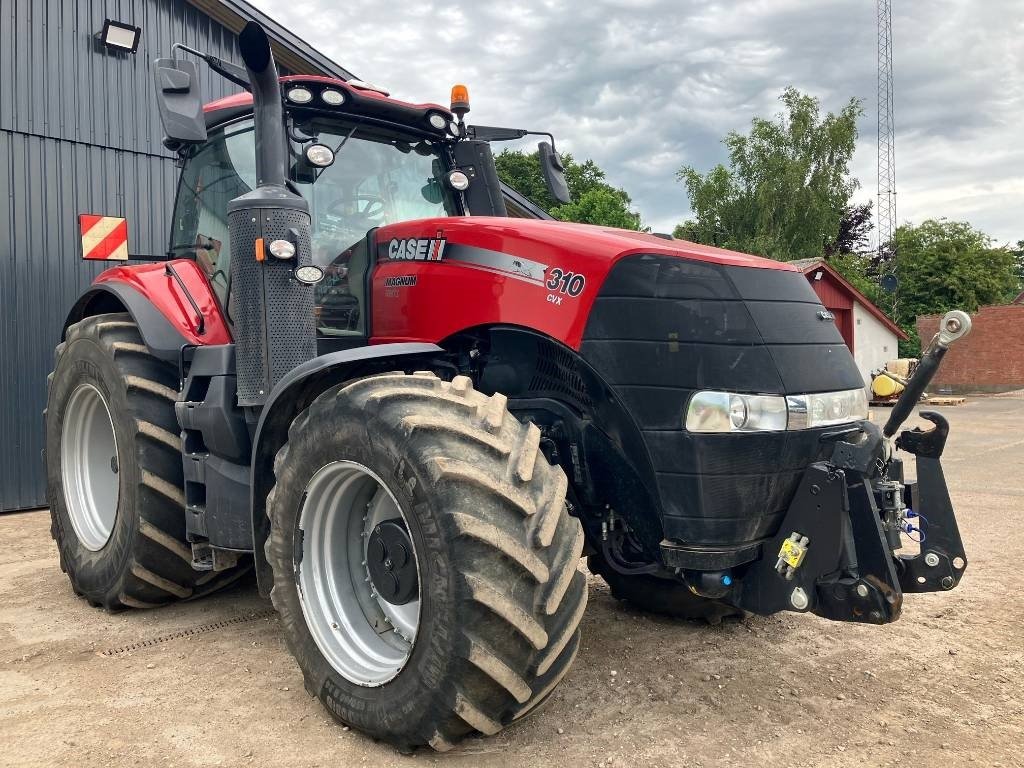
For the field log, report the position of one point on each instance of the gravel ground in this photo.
(212, 683)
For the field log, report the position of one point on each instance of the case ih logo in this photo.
(415, 249)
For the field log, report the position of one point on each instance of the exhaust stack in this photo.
(271, 311)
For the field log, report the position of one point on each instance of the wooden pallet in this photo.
(945, 401)
(926, 401)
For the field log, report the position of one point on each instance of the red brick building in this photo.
(989, 359)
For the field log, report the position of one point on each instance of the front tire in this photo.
(499, 594)
(114, 471)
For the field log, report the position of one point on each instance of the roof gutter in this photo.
(289, 49)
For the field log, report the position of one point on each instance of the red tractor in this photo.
(414, 414)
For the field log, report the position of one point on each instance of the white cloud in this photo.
(644, 86)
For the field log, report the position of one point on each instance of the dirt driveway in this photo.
(212, 683)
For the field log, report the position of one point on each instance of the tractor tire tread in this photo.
(157, 569)
(520, 595)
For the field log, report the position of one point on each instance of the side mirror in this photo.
(179, 101)
(554, 173)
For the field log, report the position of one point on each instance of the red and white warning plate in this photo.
(103, 237)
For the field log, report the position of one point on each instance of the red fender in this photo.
(167, 297)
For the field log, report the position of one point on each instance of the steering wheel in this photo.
(367, 206)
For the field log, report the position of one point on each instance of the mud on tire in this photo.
(146, 561)
(501, 595)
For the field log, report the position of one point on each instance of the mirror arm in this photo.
(489, 133)
(225, 69)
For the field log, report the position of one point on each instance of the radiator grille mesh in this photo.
(272, 312)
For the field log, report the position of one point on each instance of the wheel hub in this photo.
(390, 562)
(89, 467)
(358, 574)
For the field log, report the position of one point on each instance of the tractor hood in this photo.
(549, 273)
(597, 245)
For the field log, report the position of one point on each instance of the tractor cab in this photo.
(359, 158)
(355, 165)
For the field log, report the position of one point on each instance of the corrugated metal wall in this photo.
(79, 133)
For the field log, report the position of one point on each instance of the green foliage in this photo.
(594, 200)
(1018, 255)
(606, 207)
(787, 186)
(944, 265)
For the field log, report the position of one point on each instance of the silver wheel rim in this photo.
(365, 639)
(89, 467)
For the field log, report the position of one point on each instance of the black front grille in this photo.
(663, 328)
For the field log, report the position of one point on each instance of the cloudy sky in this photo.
(645, 86)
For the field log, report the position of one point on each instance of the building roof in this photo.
(289, 49)
(1019, 299)
(302, 58)
(809, 266)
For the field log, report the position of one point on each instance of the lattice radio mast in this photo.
(886, 199)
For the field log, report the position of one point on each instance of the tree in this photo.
(787, 186)
(854, 232)
(594, 200)
(943, 265)
(1018, 255)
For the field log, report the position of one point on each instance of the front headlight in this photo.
(824, 409)
(731, 412)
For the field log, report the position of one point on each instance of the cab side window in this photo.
(215, 173)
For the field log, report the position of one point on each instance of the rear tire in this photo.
(120, 530)
(661, 596)
(496, 552)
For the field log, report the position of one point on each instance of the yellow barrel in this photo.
(885, 386)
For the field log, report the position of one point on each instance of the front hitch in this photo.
(835, 553)
(942, 560)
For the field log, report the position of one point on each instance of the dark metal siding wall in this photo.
(79, 133)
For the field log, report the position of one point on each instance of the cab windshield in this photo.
(377, 178)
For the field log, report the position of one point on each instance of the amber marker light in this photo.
(460, 101)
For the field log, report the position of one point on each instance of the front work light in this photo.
(319, 155)
(300, 95)
(282, 249)
(733, 412)
(120, 37)
(458, 181)
(309, 274)
(332, 97)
